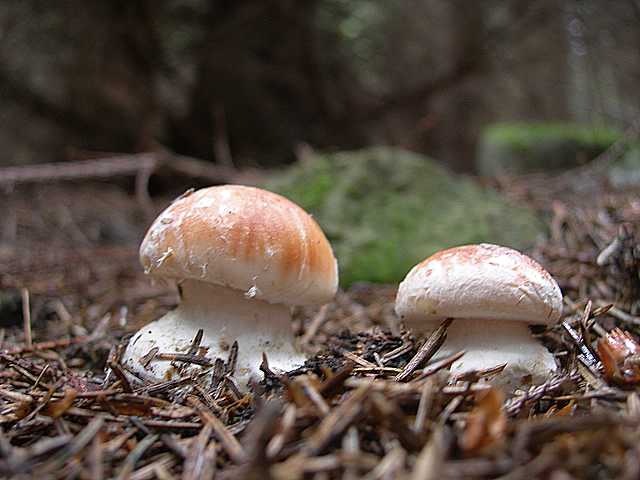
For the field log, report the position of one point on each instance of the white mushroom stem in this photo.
(225, 315)
(489, 343)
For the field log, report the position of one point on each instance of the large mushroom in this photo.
(241, 257)
(492, 293)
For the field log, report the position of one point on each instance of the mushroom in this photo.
(241, 256)
(492, 293)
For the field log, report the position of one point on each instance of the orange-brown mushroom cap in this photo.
(244, 238)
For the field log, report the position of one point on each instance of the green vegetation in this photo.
(528, 134)
(385, 209)
(529, 147)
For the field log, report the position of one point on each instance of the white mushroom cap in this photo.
(243, 238)
(479, 282)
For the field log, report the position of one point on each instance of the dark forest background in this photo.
(248, 81)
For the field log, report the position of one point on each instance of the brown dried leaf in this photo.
(296, 395)
(134, 405)
(57, 408)
(566, 410)
(486, 423)
(619, 352)
(173, 412)
(18, 411)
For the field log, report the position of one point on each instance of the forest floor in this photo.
(68, 257)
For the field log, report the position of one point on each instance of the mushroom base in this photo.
(490, 343)
(225, 316)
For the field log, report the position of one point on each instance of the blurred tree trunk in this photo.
(259, 86)
(466, 51)
(112, 77)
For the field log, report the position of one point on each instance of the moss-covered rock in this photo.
(533, 147)
(384, 210)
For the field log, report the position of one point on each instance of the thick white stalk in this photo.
(489, 343)
(225, 315)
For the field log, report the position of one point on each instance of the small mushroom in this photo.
(241, 256)
(493, 293)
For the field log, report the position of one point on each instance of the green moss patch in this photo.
(385, 209)
(531, 147)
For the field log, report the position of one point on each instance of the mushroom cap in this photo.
(479, 281)
(243, 238)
